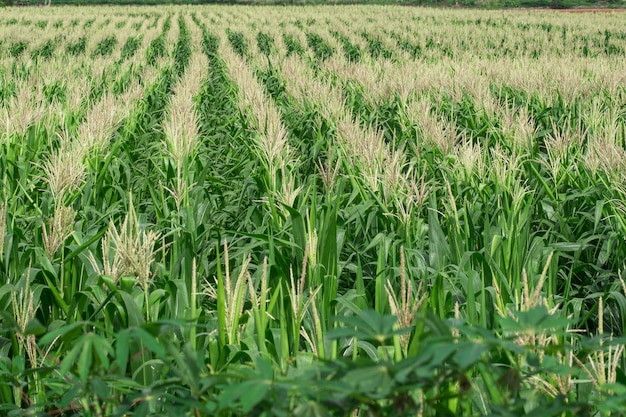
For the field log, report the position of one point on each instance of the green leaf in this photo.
(34, 327)
(133, 312)
(311, 409)
(468, 354)
(438, 247)
(100, 388)
(70, 396)
(102, 349)
(85, 359)
(536, 319)
(150, 342)
(373, 381)
(253, 392)
(367, 325)
(70, 359)
(86, 244)
(61, 331)
(369, 349)
(122, 349)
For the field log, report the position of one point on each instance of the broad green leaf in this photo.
(149, 341)
(311, 409)
(253, 392)
(122, 349)
(61, 331)
(34, 327)
(133, 311)
(85, 359)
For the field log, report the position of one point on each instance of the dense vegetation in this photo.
(487, 4)
(218, 211)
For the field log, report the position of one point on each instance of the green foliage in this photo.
(238, 42)
(105, 47)
(45, 51)
(293, 46)
(17, 48)
(182, 50)
(375, 47)
(130, 47)
(415, 50)
(265, 43)
(78, 47)
(157, 48)
(302, 288)
(321, 49)
(54, 92)
(350, 51)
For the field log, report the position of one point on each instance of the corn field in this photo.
(315, 211)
